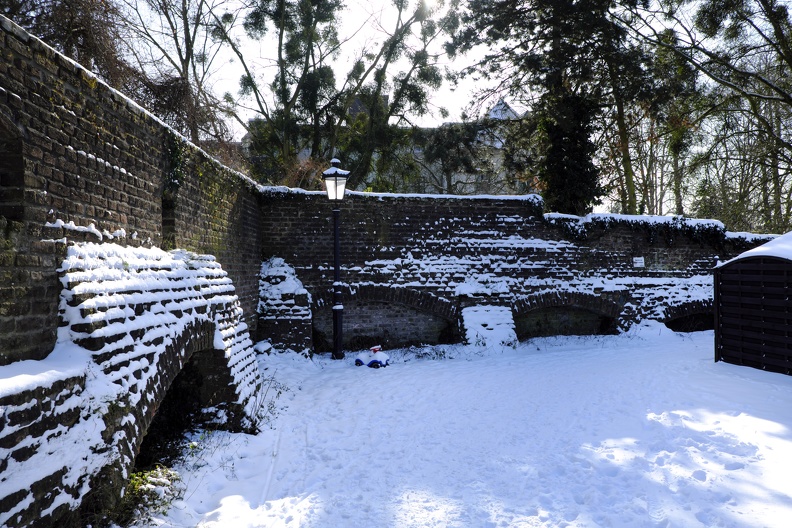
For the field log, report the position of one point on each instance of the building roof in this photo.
(502, 111)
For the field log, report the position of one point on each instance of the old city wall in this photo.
(92, 188)
(411, 263)
(93, 335)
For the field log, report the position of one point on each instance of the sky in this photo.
(363, 20)
(637, 430)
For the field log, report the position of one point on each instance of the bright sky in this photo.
(366, 22)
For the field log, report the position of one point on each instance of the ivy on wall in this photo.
(176, 152)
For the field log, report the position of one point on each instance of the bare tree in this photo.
(171, 42)
(84, 30)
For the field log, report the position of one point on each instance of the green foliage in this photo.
(176, 151)
(308, 110)
(558, 50)
(148, 493)
(564, 166)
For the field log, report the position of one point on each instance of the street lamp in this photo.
(335, 181)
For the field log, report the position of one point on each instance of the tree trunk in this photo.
(624, 147)
(678, 207)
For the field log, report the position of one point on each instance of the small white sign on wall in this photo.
(638, 262)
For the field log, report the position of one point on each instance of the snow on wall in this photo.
(279, 285)
(780, 247)
(503, 261)
(489, 326)
(284, 308)
(130, 318)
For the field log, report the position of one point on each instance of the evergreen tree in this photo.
(553, 48)
(566, 172)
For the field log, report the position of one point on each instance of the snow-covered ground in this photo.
(637, 430)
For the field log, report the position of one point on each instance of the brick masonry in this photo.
(413, 261)
(79, 156)
(87, 178)
(81, 166)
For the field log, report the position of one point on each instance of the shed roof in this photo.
(779, 247)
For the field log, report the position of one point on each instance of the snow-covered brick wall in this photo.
(284, 310)
(505, 251)
(131, 318)
(489, 326)
(82, 162)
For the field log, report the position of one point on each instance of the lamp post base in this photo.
(338, 317)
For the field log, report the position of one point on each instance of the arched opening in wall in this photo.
(196, 400)
(696, 322)
(389, 324)
(12, 174)
(178, 414)
(562, 320)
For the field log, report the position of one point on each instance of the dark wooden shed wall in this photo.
(753, 313)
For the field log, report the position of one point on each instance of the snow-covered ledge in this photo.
(131, 318)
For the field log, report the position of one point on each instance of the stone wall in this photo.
(407, 260)
(81, 162)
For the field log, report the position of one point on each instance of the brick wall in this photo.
(31, 418)
(80, 162)
(487, 250)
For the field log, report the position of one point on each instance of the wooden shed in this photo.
(753, 307)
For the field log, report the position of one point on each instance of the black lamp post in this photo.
(335, 181)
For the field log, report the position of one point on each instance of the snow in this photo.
(637, 430)
(70, 226)
(780, 247)
(278, 284)
(282, 189)
(581, 222)
(489, 326)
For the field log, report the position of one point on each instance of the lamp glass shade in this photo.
(335, 181)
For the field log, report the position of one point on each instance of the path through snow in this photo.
(637, 430)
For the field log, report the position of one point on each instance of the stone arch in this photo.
(691, 316)
(194, 375)
(212, 384)
(387, 316)
(564, 313)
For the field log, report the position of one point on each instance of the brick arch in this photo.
(386, 316)
(558, 299)
(211, 382)
(564, 313)
(690, 316)
(195, 347)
